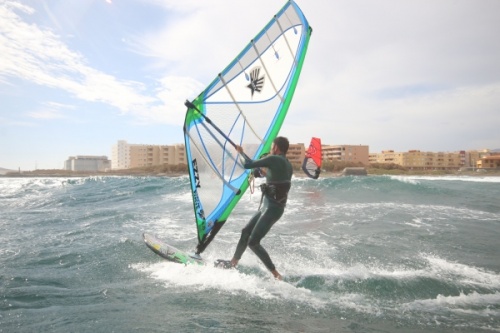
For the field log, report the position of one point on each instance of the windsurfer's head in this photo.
(280, 145)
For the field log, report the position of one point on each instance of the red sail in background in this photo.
(312, 161)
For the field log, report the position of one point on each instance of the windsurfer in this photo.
(275, 194)
(317, 172)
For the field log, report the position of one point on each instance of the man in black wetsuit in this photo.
(275, 193)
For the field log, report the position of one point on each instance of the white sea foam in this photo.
(15, 186)
(461, 273)
(474, 303)
(476, 179)
(406, 179)
(418, 223)
(357, 302)
(195, 278)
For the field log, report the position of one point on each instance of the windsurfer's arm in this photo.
(264, 162)
(248, 163)
(244, 158)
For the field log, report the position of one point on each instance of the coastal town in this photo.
(129, 158)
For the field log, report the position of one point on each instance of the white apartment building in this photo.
(87, 163)
(120, 155)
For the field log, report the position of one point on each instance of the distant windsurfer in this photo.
(274, 197)
(317, 172)
(313, 159)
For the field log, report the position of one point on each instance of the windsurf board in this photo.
(169, 252)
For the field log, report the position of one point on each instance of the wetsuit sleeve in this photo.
(244, 160)
(263, 162)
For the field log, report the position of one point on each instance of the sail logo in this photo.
(196, 175)
(311, 151)
(196, 199)
(256, 81)
(197, 206)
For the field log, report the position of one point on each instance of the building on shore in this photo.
(87, 163)
(345, 153)
(120, 155)
(127, 156)
(418, 160)
(296, 153)
(489, 162)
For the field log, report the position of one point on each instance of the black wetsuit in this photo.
(275, 194)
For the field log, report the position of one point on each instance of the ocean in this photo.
(359, 254)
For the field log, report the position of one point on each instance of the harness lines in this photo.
(276, 192)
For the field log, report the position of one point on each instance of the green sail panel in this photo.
(246, 105)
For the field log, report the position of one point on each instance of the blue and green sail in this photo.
(245, 105)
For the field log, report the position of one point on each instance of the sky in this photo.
(77, 76)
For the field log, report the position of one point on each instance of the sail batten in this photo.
(245, 104)
(239, 108)
(267, 72)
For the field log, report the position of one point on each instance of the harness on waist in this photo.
(276, 191)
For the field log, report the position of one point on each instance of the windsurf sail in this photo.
(312, 162)
(244, 105)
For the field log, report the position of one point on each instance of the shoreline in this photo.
(299, 174)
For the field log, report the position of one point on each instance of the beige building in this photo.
(126, 156)
(346, 153)
(386, 156)
(478, 158)
(489, 162)
(296, 153)
(418, 160)
(471, 158)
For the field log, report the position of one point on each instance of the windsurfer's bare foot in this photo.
(277, 275)
(234, 262)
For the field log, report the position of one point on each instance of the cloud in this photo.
(51, 110)
(46, 114)
(38, 55)
(5, 122)
(401, 74)
(200, 38)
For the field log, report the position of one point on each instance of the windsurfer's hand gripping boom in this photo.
(257, 172)
(240, 151)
